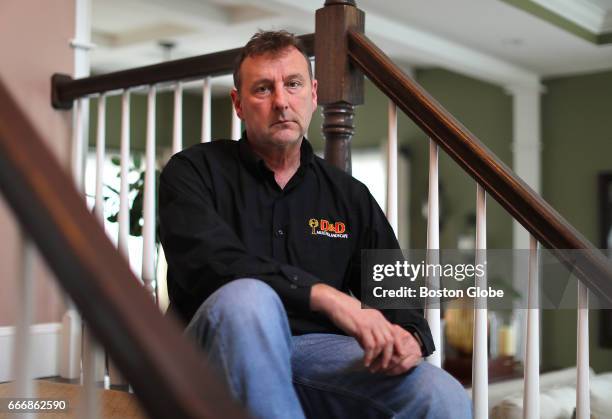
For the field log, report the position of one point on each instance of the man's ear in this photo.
(236, 102)
(315, 84)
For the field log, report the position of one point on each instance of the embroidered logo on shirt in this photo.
(328, 228)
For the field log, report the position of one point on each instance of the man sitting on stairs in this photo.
(263, 241)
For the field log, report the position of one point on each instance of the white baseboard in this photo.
(46, 338)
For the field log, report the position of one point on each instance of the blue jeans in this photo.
(243, 327)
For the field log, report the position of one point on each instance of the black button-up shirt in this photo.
(223, 217)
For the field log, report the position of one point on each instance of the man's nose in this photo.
(280, 99)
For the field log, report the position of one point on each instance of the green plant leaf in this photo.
(112, 189)
(137, 161)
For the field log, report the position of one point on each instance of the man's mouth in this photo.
(287, 121)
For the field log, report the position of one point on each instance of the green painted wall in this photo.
(577, 145)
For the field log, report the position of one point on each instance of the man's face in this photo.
(276, 99)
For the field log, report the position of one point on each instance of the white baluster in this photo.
(236, 127)
(177, 132)
(124, 170)
(22, 349)
(432, 311)
(531, 390)
(97, 359)
(100, 150)
(148, 228)
(70, 359)
(480, 371)
(583, 407)
(81, 110)
(114, 375)
(91, 356)
(392, 168)
(206, 111)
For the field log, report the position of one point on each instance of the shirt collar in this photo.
(253, 161)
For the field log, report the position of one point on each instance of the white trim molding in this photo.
(45, 340)
(583, 13)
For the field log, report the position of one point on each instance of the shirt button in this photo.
(280, 233)
(294, 277)
(293, 286)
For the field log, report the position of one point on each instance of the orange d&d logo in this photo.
(323, 227)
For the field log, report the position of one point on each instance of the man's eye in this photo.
(293, 84)
(262, 89)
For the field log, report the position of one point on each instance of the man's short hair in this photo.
(269, 42)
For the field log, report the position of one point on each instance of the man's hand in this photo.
(374, 333)
(407, 353)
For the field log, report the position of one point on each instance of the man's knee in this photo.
(441, 393)
(240, 302)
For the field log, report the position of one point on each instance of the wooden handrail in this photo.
(524, 204)
(167, 373)
(65, 89)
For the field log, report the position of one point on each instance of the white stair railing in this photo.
(177, 127)
(236, 125)
(100, 156)
(432, 311)
(22, 346)
(531, 389)
(91, 354)
(206, 110)
(480, 362)
(583, 407)
(94, 367)
(392, 185)
(81, 114)
(148, 228)
(124, 171)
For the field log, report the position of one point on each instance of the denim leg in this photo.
(331, 382)
(243, 327)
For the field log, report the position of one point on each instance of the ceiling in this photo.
(512, 43)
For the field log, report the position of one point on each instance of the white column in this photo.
(432, 311)
(531, 390)
(148, 228)
(583, 407)
(100, 154)
(206, 110)
(177, 132)
(392, 167)
(526, 163)
(480, 363)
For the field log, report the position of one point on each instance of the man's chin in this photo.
(286, 138)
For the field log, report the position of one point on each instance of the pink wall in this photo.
(34, 43)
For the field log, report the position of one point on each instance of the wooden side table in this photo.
(501, 368)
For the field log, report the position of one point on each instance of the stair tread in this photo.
(113, 404)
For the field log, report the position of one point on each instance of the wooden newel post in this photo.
(340, 83)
